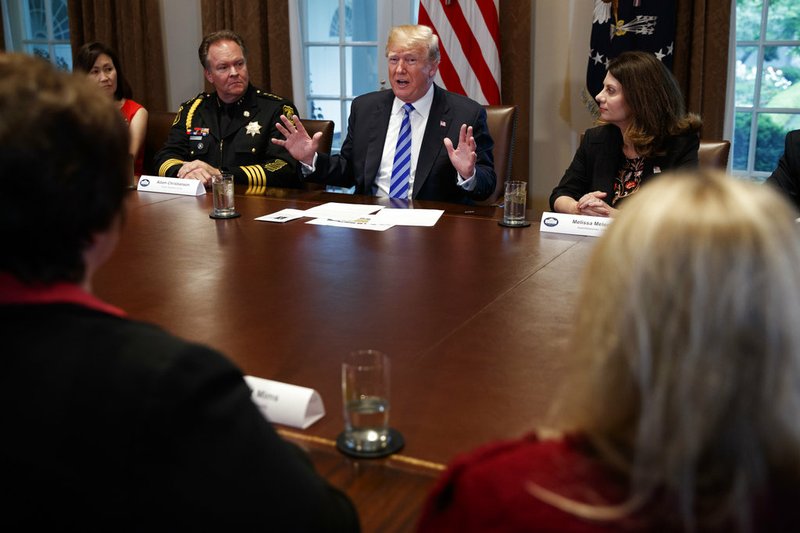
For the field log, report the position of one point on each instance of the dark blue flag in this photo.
(621, 25)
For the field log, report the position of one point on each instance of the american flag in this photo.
(469, 43)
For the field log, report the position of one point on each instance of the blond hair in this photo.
(415, 36)
(687, 351)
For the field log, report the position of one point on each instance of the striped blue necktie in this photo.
(401, 168)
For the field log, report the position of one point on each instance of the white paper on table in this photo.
(573, 224)
(171, 185)
(284, 215)
(340, 211)
(363, 222)
(408, 217)
(286, 404)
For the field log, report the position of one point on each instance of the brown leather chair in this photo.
(326, 127)
(711, 154)
(502, 123)
(158, 125)
(325, 142)
(714, 154)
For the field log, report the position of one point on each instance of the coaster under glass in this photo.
(235, 214)
(396, 443)
(520, 224)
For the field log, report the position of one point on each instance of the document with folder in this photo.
(359, 216)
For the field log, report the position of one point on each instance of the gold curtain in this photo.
(133, 29)
(701, 59)
(264, 26)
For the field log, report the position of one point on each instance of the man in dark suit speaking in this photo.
(415, 141)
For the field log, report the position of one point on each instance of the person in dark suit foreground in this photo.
(680, 408)
(644, 130)
(111, 424)
(786, 176)
(450, 155)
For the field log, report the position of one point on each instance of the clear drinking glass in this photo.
(222, 191)
(514, 203)
(365, 394)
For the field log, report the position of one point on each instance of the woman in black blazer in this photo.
(643, 130)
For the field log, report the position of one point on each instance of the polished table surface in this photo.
(474, 317)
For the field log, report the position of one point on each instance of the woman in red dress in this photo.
(102, 65)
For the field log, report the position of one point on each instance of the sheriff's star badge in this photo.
(254, 128)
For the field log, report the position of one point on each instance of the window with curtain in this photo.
(342, 50)
(40, 28)
(766, 83)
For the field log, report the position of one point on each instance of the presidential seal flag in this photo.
(469, 44)
(622, 25)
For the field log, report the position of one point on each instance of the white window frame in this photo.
(757, 108)
(14, 22)
(390, 13)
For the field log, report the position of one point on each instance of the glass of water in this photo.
(514, 203)
(365, 394)
(222, 191)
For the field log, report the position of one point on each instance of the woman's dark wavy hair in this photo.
(86, 58)
(654, 99)
(63, 161)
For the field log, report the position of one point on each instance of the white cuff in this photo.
(306, 169)
(469, 183)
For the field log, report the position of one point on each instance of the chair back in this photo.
(714, 154)
(711, 154)
(326, 127)
(501, 121)
(158, 126)
(312, 126)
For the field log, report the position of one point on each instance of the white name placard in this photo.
(573, 224)
(286, 404)
(170, 185)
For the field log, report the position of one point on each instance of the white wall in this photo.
(560, 51)
(182, 31)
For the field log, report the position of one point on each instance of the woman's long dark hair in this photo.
(655, 101)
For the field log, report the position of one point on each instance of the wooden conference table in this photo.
(474, 317)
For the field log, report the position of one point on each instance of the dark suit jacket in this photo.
(435, 179)
(599, 159)
(786, 176)
(114, 425)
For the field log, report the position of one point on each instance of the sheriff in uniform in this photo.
(229, 129)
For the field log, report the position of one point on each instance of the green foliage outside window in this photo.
(772, 84)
